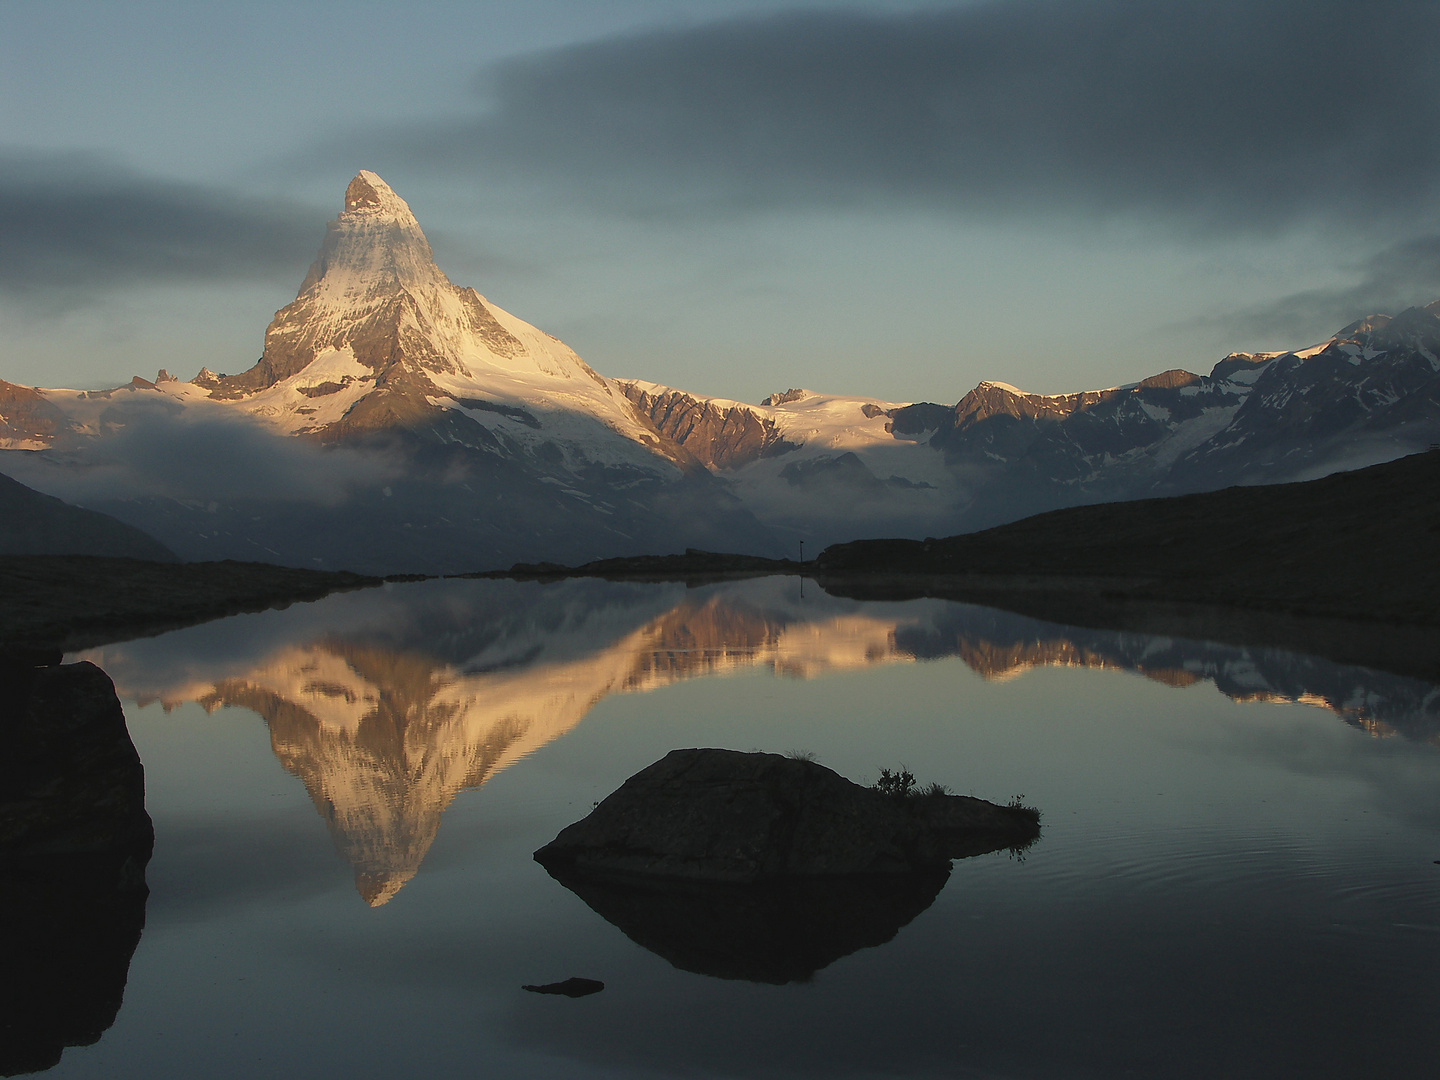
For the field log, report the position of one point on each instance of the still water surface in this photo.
(1236, 875)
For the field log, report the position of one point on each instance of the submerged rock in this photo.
(572, 987)
(725, 816)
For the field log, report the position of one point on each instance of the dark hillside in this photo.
(1363, 544)
(32, 523)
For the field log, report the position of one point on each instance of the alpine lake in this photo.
(1236, 876)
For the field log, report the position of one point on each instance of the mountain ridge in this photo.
(506, 444)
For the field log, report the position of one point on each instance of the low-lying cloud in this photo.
(78, 222)
(1230, 114)
(159, 453)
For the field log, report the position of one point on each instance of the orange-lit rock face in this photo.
(361, 193)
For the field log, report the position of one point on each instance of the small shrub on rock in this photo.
(899, 784)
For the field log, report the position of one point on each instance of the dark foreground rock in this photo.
(74, 841)
(70, 778)
(726, 816)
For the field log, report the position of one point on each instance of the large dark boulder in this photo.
(70, 778)
(74, 841)
(726, 816)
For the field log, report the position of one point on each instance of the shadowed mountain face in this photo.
(387, 704)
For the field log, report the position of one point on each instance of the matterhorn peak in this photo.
(369, 194)
(379, 339)
(375, 244)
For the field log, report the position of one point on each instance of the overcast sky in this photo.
(892, 199)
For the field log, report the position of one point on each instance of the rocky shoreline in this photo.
(73, 602)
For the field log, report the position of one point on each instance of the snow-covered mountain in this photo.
(824, 467)
(426, 429)
(461, 436)
(379, 339)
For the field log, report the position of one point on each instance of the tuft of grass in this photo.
(801, 755)
(1017, 802)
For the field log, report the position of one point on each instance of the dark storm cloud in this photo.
(1235, 114)
(1402, 276)
(77, 222)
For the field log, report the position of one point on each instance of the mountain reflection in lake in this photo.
(1208, 868)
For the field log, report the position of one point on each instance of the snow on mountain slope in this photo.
(379, 338)
(394, 423)
(727, 434)
(815, 467)
(819, 466)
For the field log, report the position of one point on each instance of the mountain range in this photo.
(397, 422)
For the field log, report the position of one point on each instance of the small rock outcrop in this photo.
(766, 868)
(725, 816)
